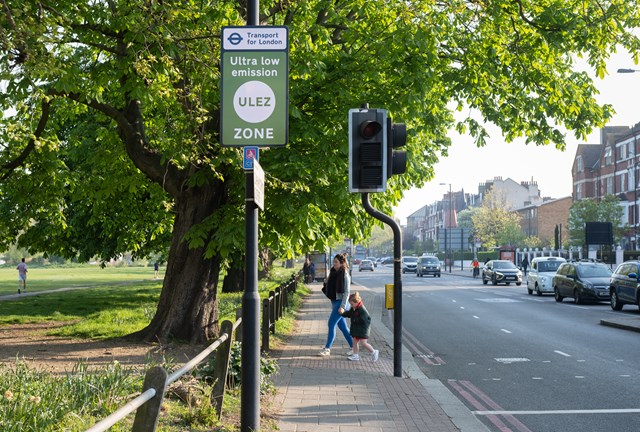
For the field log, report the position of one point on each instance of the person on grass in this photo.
(22, 276)
(360, 327)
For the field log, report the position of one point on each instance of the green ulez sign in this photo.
(254, 86)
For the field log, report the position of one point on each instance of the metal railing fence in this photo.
(147, 405)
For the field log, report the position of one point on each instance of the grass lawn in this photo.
(47, 278)
(120, 301)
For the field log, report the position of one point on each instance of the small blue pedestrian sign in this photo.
(250, 154)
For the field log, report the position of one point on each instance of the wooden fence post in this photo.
(146, 419)
(221, 368)
(272, 311)
(266, 323)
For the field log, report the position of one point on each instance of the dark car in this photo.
(582, 281)
(624, 286)
(501, 271)
(428, 265)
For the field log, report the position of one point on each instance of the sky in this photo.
(467, 166)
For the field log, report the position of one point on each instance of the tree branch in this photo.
(19, 161)
(131, 128)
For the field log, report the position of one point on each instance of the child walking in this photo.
(360, 327)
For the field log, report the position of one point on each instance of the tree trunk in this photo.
(233, 281)
(266, 259)
(188, 307)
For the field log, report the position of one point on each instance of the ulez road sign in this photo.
(255, 86)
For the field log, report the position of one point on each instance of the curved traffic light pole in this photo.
(397, 282)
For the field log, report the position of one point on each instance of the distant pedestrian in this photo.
(524, 264)
(338, 289)
(22, 276)
(305, 269)
(156, 268)
(360, 327)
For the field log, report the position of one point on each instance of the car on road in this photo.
(374, 260)
(624, 286)
(428, 265)
(541, 273)
(365, 265)
(501, 271)
(409, 264)
(582, 281)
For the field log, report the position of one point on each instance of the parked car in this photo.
(582, 281)
(374, 260)
(428, 265)
(387, 260)
(540, 274)
(365, 264)
(501, 271)
(409, 264)
(624, 286)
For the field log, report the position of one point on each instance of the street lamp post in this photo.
(449, 250)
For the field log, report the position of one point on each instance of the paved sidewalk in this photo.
(334, 394)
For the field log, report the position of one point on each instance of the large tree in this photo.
(495, 223)
(111, 141)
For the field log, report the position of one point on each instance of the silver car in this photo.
(366, 265)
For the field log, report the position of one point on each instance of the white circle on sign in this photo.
(254, 101)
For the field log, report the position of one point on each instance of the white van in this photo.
(540, 274)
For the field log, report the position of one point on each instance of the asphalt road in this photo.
(520, 362)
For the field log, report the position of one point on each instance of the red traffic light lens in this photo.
(369, 129)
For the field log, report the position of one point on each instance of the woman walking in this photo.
(338, 288)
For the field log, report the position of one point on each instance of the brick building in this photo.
(540, 219)
(612, 167)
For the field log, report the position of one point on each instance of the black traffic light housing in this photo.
(367, 150)
(396, 137)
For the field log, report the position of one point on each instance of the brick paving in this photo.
(333, 394)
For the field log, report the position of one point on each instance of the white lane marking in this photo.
(546, 361)
(594, 411)
(580, 376)
(505, 330)
(476, 317)
(537, 378)
(625, 376)
(462, 307)
(508, 360)
(581, 361)
(562, 353)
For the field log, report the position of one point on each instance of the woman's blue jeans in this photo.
(335, 319)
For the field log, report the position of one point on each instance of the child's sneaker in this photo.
(354, 357)
(374, 355)
(350, 352)
(325, 352)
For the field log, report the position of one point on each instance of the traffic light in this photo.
(368, 150)
(397, 137)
